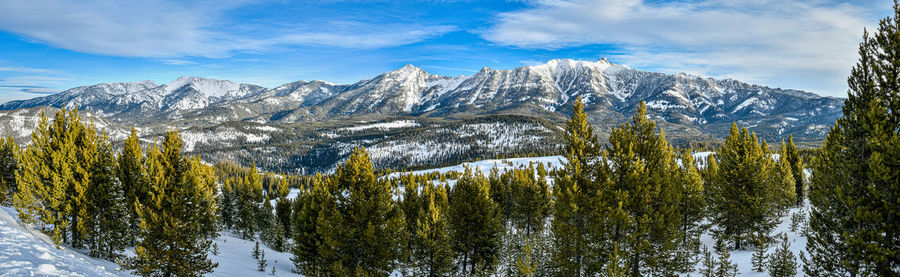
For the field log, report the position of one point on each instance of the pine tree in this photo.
(227, 203)
(648, 220)
(758, 260)
(283, 215)
(311, 255)
(105, 214)
(783, 263)
(9, 165)
(576, 215)
(177, 222)
(724, 266)
(708, 264)
(475, 224)
(615, 266)
(747, 195)
(261, 263)
(796, 163)
(248, 200)
(256, 251)
(362, 229)
(854, 186)
(131, 174)
(693, 210)
(431, 251)
(54, 175)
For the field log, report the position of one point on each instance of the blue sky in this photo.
(51, 45)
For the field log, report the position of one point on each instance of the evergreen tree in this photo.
(783, 263)
(364, 227)
(576, 215)
(724, 266)
(9, 165)
(177, 222)
(693, 210)
(311, 255)
(648, 200)
(854, 185)
(248, 200)
(227, 201)
(796, 163)
(55, 175)
(431, 251)
(758, 260)
(708, 264)
(261, 263)
(283, 215)
(475, 224)
(105, 215)
(131, 174)
(747, 195)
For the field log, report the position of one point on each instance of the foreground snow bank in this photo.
(25, 252)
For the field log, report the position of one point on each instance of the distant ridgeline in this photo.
(410, 118)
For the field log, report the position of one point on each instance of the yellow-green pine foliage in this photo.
(34, 177)
(854, 189)
(9, 165)
(577, 186)
(54, 175)
(131, 174)
(475, 224)
(431, 252)
(746, 197)
(177, 220)
(644, 181)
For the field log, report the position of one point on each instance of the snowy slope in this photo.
(24, 252)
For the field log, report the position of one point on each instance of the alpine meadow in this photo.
(556, 162)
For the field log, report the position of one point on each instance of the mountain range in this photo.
(685, 105)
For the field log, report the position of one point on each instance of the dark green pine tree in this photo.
(248, 204)
(724, 266)
(366, 230)
(105, 216)
(9, 165)
(644, 170)
(782, 262)
(746, 197)
(577, 222)
(693, 209)
(312, 255)
(707, 263)
(178, 219)
(283, 215)
(854, 187)
(227, 203)
(475, 224)
(411, 205)
(758, 260)
(796, 163)
(131, 174)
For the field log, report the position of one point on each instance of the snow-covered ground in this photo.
(28, 252)
(485, 166)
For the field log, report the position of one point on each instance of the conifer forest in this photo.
(628, 202)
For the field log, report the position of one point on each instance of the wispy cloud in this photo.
(777, 42)
(172, 29)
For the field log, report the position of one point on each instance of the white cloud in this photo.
(799, 44)
(170, 29)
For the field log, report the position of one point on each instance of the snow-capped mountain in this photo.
(611, 92)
